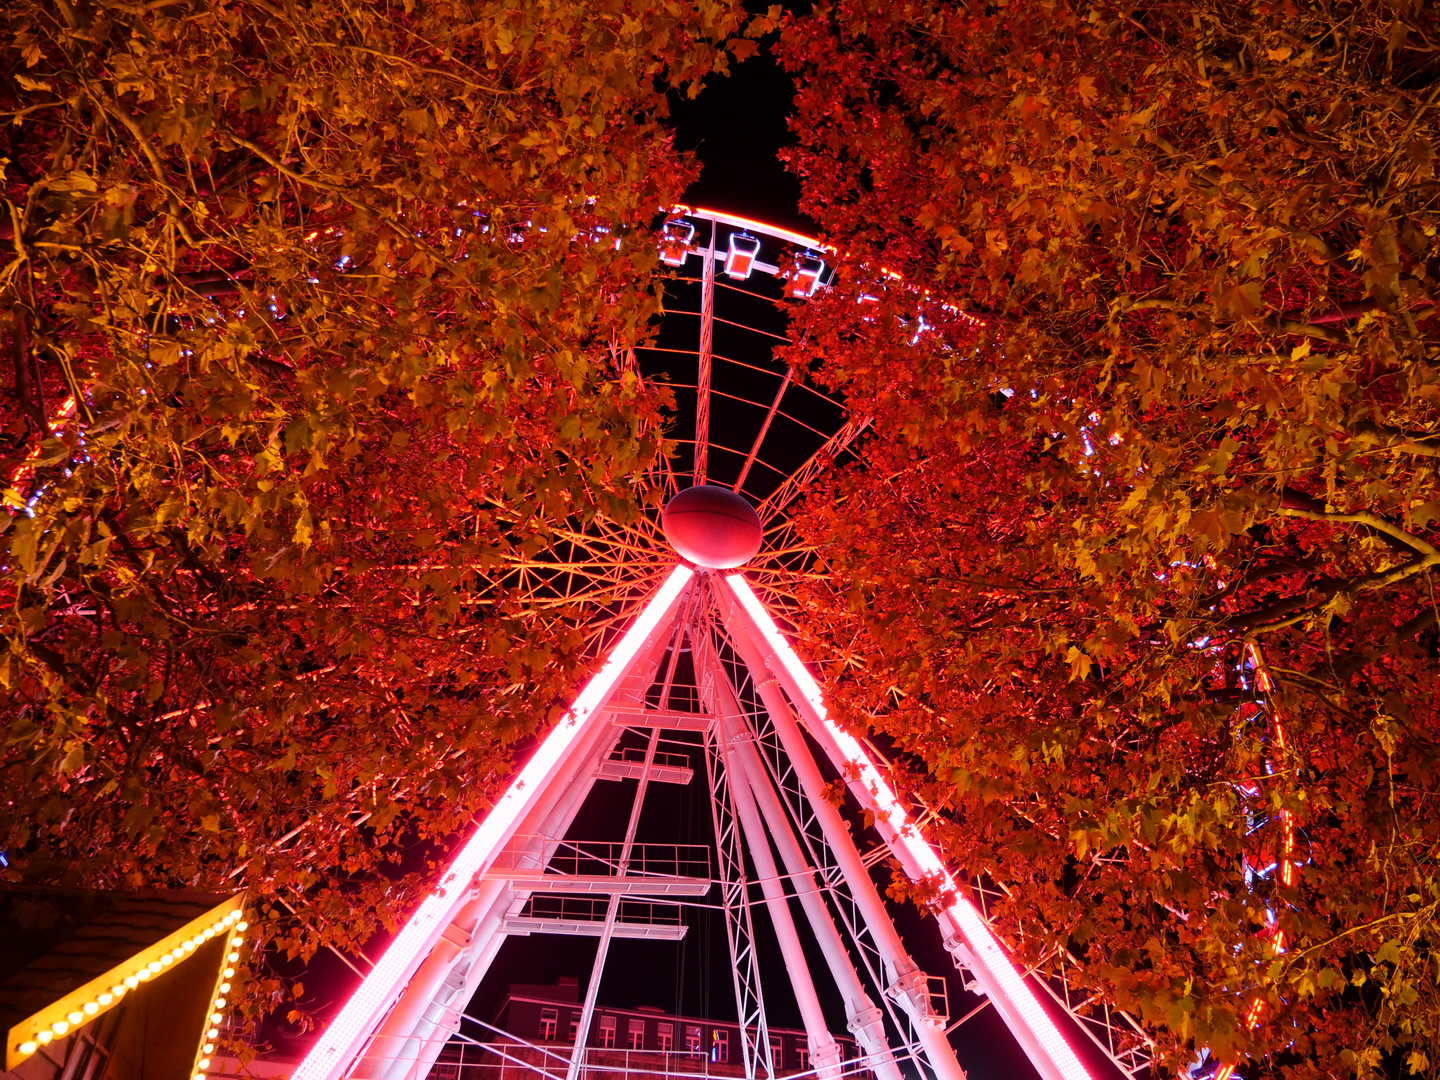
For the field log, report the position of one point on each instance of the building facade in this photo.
(536, 1028)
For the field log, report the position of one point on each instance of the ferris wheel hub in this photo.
(713, 527)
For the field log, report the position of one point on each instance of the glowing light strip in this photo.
(987, 950)
(776, 231)
(338, 1045)
(103, 993)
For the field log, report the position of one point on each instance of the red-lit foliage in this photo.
(1200, 412)
(339, 296)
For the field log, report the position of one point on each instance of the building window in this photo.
(777, 1055)
(665, 1033)
(607, 1032)
(719, 1045)
(549, 1021)
(802, 1058)
(636, 1030)
(692, 1041)
(574, 1027)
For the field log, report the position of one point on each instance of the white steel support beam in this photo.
(825, 1052)
(707, 346)
(397, 1050)
(734, 893)
(909, 985)
(966, 932)
(337, 1048)
(612, 909)
(865, 1019)
(414, 1032)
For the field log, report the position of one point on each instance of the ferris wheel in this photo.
(699, 685)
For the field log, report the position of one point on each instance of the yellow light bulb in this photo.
(212, 1033)
(209, 933)
(217, 927)
(204, 1063)
(105, 999)
(167, 960)
(242, 926)
(229, 972)
(117, 989)
(154, 967)
(132, 982)
(29, 1047)
(215, 1018)
(59, 1027)
(219, 1003)
(45, 1037)
(233, 957)
(178, 952)
(92, 1007)
(208, 1048)
(75, 1017)
(188, 946)
(224, 988)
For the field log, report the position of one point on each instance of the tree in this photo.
(318, 316)
(1171, 408)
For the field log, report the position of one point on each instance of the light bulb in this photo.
(29, 1047)
(224, 988)
(167, 960)
(45, 1037)
(209, 933)
(242, 926)
(212, 1033)
(75, 1017)
(208, 1048)
(59, 1027)
(132, 981)
(219, 1003)
(92, 1007)
(178, 952)
(233, 957)
(105, 999)
(188, 946)
(204, 1063)
(215, 1018)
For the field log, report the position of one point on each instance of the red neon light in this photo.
(987, 950)
(341, 1041)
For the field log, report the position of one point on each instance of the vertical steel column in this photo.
(909, 985)
(824, 1051)
(865, 1019)
(612, 910)
(735, 901)
(707, 344)
(967, 936)
(392, 1045)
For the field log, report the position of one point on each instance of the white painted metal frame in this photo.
(967, 935)
(341, 1042)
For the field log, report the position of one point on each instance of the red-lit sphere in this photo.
(712, 527)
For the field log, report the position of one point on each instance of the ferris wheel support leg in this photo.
(342, 1043)
(824, 1050)
(909, 985)
(400, 1046)
(751, 782)
(865, 1019)
(966, 932)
